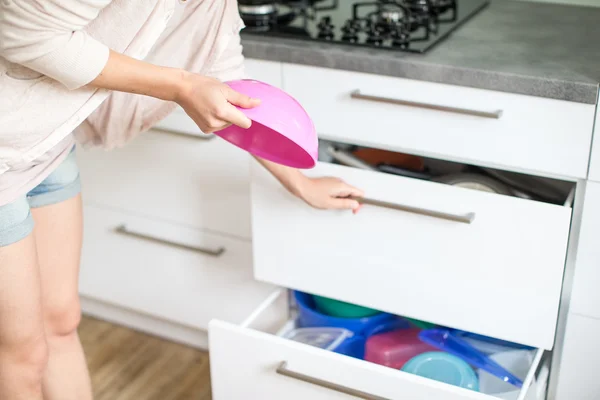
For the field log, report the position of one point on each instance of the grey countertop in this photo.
(535, 49)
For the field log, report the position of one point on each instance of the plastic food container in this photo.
(518, 363)
(337, 308)
(446, 340)
(309, 316)
(420, 324)
(393, 349)
(324, 338)
(443, 367)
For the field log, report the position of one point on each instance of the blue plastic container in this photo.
(445, 368)
(308, 317)
(366, 326)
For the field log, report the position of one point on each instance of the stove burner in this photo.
(419, 6)
(257, 9)
(404, 25)
(391, 14)
(350, 31)
(325, 28)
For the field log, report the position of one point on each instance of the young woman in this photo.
(74, 68)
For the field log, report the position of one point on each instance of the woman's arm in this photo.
(209, 102)
(47, 36)
(322, 193)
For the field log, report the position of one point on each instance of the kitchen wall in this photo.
(595, 3)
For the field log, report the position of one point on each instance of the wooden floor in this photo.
(128, 365)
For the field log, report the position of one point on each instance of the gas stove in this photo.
(401, 25)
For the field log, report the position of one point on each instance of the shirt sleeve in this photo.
(48, 36)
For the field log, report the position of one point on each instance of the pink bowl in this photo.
(281, 130)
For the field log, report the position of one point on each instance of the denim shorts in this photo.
(62, 184)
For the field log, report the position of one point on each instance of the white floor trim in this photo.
(145, 323)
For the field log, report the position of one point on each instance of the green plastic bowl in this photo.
(336, 308)
(420, 324)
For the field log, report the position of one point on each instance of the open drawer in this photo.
(481, 262)
(251, 362)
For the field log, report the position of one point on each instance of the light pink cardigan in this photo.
(42, 94)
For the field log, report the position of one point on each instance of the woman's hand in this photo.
(321, 193)
(211, 104)
(329, 193)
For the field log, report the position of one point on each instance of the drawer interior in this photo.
(524, 186)
(530, 363)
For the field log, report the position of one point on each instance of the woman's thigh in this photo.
(58, 235)
(21, 320)
(57, 212)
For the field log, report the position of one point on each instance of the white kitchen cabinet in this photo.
(182, 179)
(461, 124)
(172, 272)
(250, 361)
(189, 178)
(580, 363)
(585, 298)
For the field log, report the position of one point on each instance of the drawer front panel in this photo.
(180, 274)
(187, 180)
(417, 255)
(476, 126)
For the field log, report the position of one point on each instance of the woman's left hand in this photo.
(329, 193)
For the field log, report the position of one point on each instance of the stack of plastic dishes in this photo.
(281, 129)
(393, 349)
(337, 308)
(518, 362)
(310, 316)
(443, 367)
(323, 337)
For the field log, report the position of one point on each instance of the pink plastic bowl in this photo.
(281, 130)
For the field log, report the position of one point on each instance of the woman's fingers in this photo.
(236, 117)
(345, 190)
(240, 99)
(343, 204)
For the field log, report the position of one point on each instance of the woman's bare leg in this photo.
(23, 350)
(58, 234)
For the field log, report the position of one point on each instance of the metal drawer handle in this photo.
(356, 94)
(122, 229)
(465, 218)
(283, 370)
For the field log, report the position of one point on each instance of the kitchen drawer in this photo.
(182, 179)
(265, 71)
(580, 362)
(251, 362)
(585, 298)
(594, 173)
(184, 285)
(482, 127)
(498, 275)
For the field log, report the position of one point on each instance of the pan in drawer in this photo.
(481, 262)
(251, 362)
